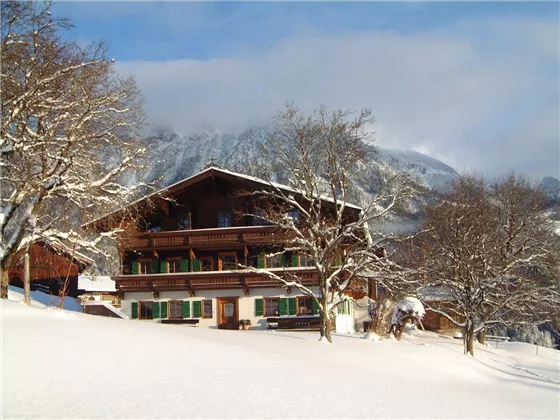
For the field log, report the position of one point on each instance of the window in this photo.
(274, 261)
(207, 309)
(305, 261)
(184, 222)
(174, 265)
(206, 263)
(259, 218)
(145, 309)
(227, 261)
(175, 309)
(224, 219)
(295, 215)
(145, 266)
(155, 229)
(304, 305)
(271, 306)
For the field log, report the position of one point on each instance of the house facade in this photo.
(189, 259)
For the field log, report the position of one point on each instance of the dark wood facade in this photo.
(200, 234)
(49, 267)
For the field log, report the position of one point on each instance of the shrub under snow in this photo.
(408, 310)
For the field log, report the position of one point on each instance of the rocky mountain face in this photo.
(175, 158)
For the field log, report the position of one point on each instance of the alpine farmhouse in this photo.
(186, 260)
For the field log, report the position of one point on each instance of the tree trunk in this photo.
(468, 337)
(324, 327)
(5, 279)
(482, 336)
(26, 280)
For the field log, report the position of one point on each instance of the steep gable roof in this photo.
(207, 173)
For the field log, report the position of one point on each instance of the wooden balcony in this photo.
(211, 280)
(204, 238)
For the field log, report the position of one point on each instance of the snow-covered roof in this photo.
(206, 172)
(96, 284)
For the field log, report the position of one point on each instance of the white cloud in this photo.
(475, 94)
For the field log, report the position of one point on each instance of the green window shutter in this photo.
(163, 266)
(338, 262)
(295, 261)
(164, 306)
(196, 265)
(155, 310)
(184, 266)
(155, 266)
(283, 260)
(186, 309)
(134, 310)
(292, 306)
(315, 307)
(197, 309)
(261, 261)
(283, 306)
(135, 267)
(259, 307)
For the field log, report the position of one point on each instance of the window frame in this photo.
(266, 306)
(145, 262)
(206, 258)
(308, 310)
(229, 213)
(144, 304)
(173, 262)
(181, 221)
(173, 304)
(227, 254)
(204, 302)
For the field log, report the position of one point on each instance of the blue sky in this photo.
(475, 84)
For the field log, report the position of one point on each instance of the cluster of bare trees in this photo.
(491, 250)
(68, 136)
(487, 250)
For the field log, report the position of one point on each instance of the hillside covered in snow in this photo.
(61, 364)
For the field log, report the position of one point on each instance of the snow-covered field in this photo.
(62, 364)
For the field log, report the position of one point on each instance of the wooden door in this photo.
(228, 313)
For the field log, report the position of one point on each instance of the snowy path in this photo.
(72, 365)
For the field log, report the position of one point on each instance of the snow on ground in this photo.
(61, 364)
(42, 300)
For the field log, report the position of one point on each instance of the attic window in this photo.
(295, 216)
(224, 219)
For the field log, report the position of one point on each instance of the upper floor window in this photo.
(259, 218)
(184, 222)
(225, 219)
(295, 215)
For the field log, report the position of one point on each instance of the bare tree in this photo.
(318, 154)
(70, 132)
(490, 250)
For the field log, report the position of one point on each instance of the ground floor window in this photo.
(207, 309)
(175, 309)
(271, 306)
(304, 305)
(145, 309)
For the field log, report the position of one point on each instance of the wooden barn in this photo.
(50, 265)
(181, 262)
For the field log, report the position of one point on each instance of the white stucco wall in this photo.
(246, 303)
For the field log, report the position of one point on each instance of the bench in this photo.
(180, 321)
(294, 323)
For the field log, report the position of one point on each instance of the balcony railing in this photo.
(196, 238)
(210, 280)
